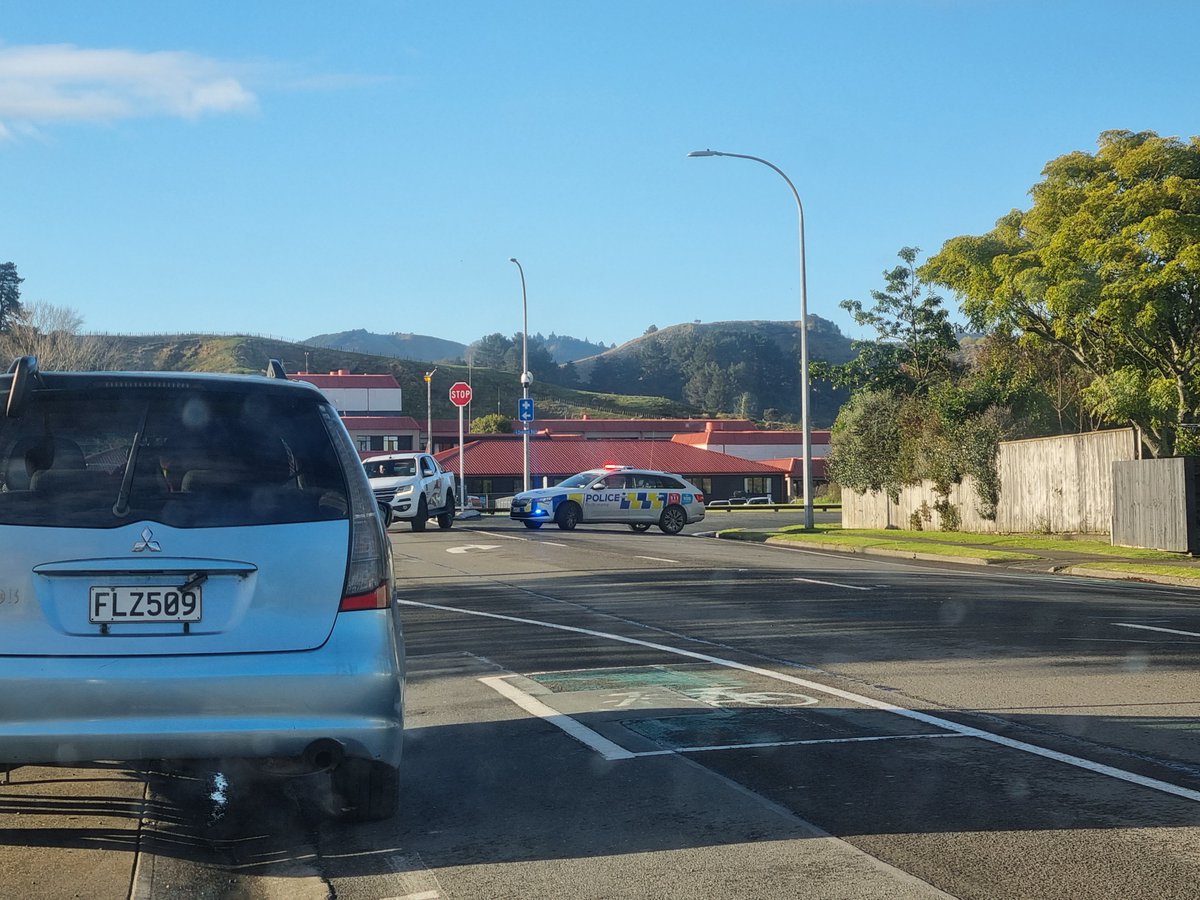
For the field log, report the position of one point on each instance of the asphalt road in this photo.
(605, 714)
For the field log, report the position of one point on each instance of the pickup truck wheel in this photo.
(366, 790)
(673, 519)
(567, 516)
(446, 517)
(422, 516)
(532, 524)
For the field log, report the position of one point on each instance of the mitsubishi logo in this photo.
(147, 542)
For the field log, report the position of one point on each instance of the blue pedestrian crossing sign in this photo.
(525, 409)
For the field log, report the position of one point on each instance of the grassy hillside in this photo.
(494, 391)
(404, 345)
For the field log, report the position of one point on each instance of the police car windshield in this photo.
(583, 479)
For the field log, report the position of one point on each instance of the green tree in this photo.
(566, 376)
(10, 295)
(1106, 265)
(914, 336)
(492, 423)
(489, 351)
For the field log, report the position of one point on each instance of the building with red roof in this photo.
(357, 395)
(493, 464)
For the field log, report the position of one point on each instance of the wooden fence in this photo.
(1059, 484)
(1154, 504)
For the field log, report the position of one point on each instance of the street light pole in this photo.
(429, 410)
(804, 389)
(526, 378)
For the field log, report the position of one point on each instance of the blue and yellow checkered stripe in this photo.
(643, 500)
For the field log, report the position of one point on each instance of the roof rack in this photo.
(24, 369)
(275, 369)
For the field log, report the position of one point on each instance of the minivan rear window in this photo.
(191, 457)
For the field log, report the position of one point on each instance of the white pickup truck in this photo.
(414, 487)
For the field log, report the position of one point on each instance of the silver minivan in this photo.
(193, 567)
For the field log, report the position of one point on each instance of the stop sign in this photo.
(460, 393)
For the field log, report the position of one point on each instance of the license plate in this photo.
(119, 603)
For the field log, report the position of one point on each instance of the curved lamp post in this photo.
(807, 439)
(526, 378)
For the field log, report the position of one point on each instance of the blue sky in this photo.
(294, 168)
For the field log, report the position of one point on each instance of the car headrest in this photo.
(35, 454)
(202, 480)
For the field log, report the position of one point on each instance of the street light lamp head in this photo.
(512, 259)
(698, 153)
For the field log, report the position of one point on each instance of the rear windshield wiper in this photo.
(121, 507)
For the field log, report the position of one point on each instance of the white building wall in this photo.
(759, 452)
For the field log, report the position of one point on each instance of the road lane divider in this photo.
(1068, 759)
(852, 587)
(1156, 628)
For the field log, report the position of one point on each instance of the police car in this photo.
(638, 498)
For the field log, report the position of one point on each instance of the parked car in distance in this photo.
(201, 573)
(638, 498)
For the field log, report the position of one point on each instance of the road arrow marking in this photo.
(466, 548)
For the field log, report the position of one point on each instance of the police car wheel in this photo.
(532, 524)
(567, 516)
(673, 519)
(640, 526)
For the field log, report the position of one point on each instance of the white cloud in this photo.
(62, 83)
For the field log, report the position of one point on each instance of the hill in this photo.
(494, 391)
(400, 344)
(749, 369)
(566, 349)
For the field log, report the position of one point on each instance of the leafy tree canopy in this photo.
(1106, 265)
(492, 423)
(914, 336)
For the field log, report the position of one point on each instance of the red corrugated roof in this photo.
(501, 456)
(347, 381)
(380, 423)
(794, 465)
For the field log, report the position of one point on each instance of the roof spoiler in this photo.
(24, 370)
(275, 369)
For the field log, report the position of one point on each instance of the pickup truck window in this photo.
(427, 467)
(390, 468)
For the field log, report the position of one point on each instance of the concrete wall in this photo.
(1060, 484)
(1154, 504)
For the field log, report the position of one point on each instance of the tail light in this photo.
(369, 570)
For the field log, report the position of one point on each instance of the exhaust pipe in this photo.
(324, 754)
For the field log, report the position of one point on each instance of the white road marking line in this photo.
(552, 543)
(1153, 784)
(466, 548)
(657, 559)
(853, 587)
(851, 740)
(1158, 642)
(536, 707)
(1155, 628)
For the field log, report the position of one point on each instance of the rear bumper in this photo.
(252, 705)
